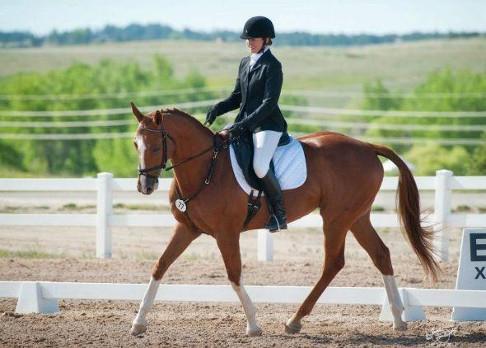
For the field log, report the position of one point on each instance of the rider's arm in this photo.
(233, 101)
(273, 87)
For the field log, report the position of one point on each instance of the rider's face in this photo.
(255, 44)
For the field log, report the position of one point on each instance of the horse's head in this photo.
(151, 142)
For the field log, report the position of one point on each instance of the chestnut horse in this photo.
(344, 176)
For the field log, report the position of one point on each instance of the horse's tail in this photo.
(408, 207)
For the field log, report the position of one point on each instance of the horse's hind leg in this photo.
(379, 253)
(335, 236)
(182, 237)
(229, 245)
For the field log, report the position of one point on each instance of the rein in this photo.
(190, 158)
(181, 203)
(165, 135)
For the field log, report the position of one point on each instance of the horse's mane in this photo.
(171, 112)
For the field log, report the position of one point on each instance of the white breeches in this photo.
(264, 144)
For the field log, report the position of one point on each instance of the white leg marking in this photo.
(252, 328)
(395, 302)
(139, 324)
(293, 325)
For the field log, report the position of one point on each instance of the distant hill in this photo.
(137, 32)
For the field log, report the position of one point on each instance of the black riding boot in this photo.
(271, 187)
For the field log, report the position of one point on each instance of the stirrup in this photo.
(273, 224)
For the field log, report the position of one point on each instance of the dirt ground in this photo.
(67, 254)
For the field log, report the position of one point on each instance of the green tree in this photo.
(444, 90)
(429, 158)
(86, 157)
(378, 97)
(476, 165)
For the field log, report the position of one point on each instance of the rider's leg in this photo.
(265, 144)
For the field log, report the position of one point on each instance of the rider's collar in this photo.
(255, 56)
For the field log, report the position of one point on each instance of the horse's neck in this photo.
(190, 139)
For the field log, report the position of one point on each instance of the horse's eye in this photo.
(156, 149)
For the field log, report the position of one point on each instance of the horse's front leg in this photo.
(229, 245)
(182, 237)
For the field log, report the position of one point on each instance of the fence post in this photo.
(265, 245)
(442, 211)
(103, 213)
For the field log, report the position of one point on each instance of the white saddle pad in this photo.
(289, 162)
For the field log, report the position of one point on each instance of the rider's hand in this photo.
(236, 130)
(211, 116)
(224, 134)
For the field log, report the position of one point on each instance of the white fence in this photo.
(42, 297)
(443, 184)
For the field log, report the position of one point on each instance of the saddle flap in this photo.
(288, 163)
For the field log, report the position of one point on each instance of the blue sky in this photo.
(325, 16)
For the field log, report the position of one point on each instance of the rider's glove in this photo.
(211, 115)
(236, 130)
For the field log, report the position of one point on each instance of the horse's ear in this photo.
(137, 112)
(158, 117)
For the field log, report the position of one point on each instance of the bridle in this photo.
(180, 202)
(162, 166)
(164, 135)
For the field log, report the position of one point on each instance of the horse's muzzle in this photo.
(147, 184)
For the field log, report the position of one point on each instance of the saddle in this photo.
(288, 163)
(244, 151)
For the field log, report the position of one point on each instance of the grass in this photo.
(8, 172)
(74, 206)
(463, 208)
(137, 206)
(14, 209)
(28, 254)
(190, 257)
(377, 208)
(146, 256)
(401, 65)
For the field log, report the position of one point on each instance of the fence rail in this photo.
(42, 297)
(443, 184)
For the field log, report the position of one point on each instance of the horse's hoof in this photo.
(400, 326)
(292, 328)
(138, 329)
(252, 332)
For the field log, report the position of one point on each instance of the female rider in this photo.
(256, 93)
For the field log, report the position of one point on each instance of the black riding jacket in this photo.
(256, 93)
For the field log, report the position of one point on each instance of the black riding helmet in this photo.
(258, 26)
